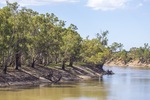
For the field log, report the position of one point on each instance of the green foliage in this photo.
(142, 54)
(27, 37)
(115, 46)
(33, 37)
(94, 50)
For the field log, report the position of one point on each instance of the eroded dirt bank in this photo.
(40, 74)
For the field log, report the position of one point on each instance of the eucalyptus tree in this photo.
(6, 37)
(15, 31)
(23, 25)
(31, 36)
(133, 53)
(116, 46)
(46, 38)
(94, 51)
(143, 54)
(57, 36)
(21, 38)
(102, 37)
(71, 45)
(21, 20)
(116, 51)
(146, 54)
(123, 56)
(76, 44)
(56, 43)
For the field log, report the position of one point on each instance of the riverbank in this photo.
(40, 74)
(133, 64)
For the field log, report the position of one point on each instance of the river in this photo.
(126, 84)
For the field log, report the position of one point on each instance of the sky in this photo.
(128, 21)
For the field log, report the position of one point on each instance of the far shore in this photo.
(133, 64)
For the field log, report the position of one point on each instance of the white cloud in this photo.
(105, 5)
(140, 5)
(38, 2)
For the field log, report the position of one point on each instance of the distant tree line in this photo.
(139, 54)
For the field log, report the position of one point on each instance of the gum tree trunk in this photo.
(100, 66)
(63, 65)
(17, 61)
(71, 62)
(33, 63)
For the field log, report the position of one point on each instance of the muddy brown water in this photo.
(126, 84)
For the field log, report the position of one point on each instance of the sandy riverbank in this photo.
(133, 64)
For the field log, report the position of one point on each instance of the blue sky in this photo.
(128, 21)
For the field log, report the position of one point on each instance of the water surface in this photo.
(126, 84)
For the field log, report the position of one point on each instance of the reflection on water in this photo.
(79, 91)
(126, 84)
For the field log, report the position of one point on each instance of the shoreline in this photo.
(133, 64)
(27, 76)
